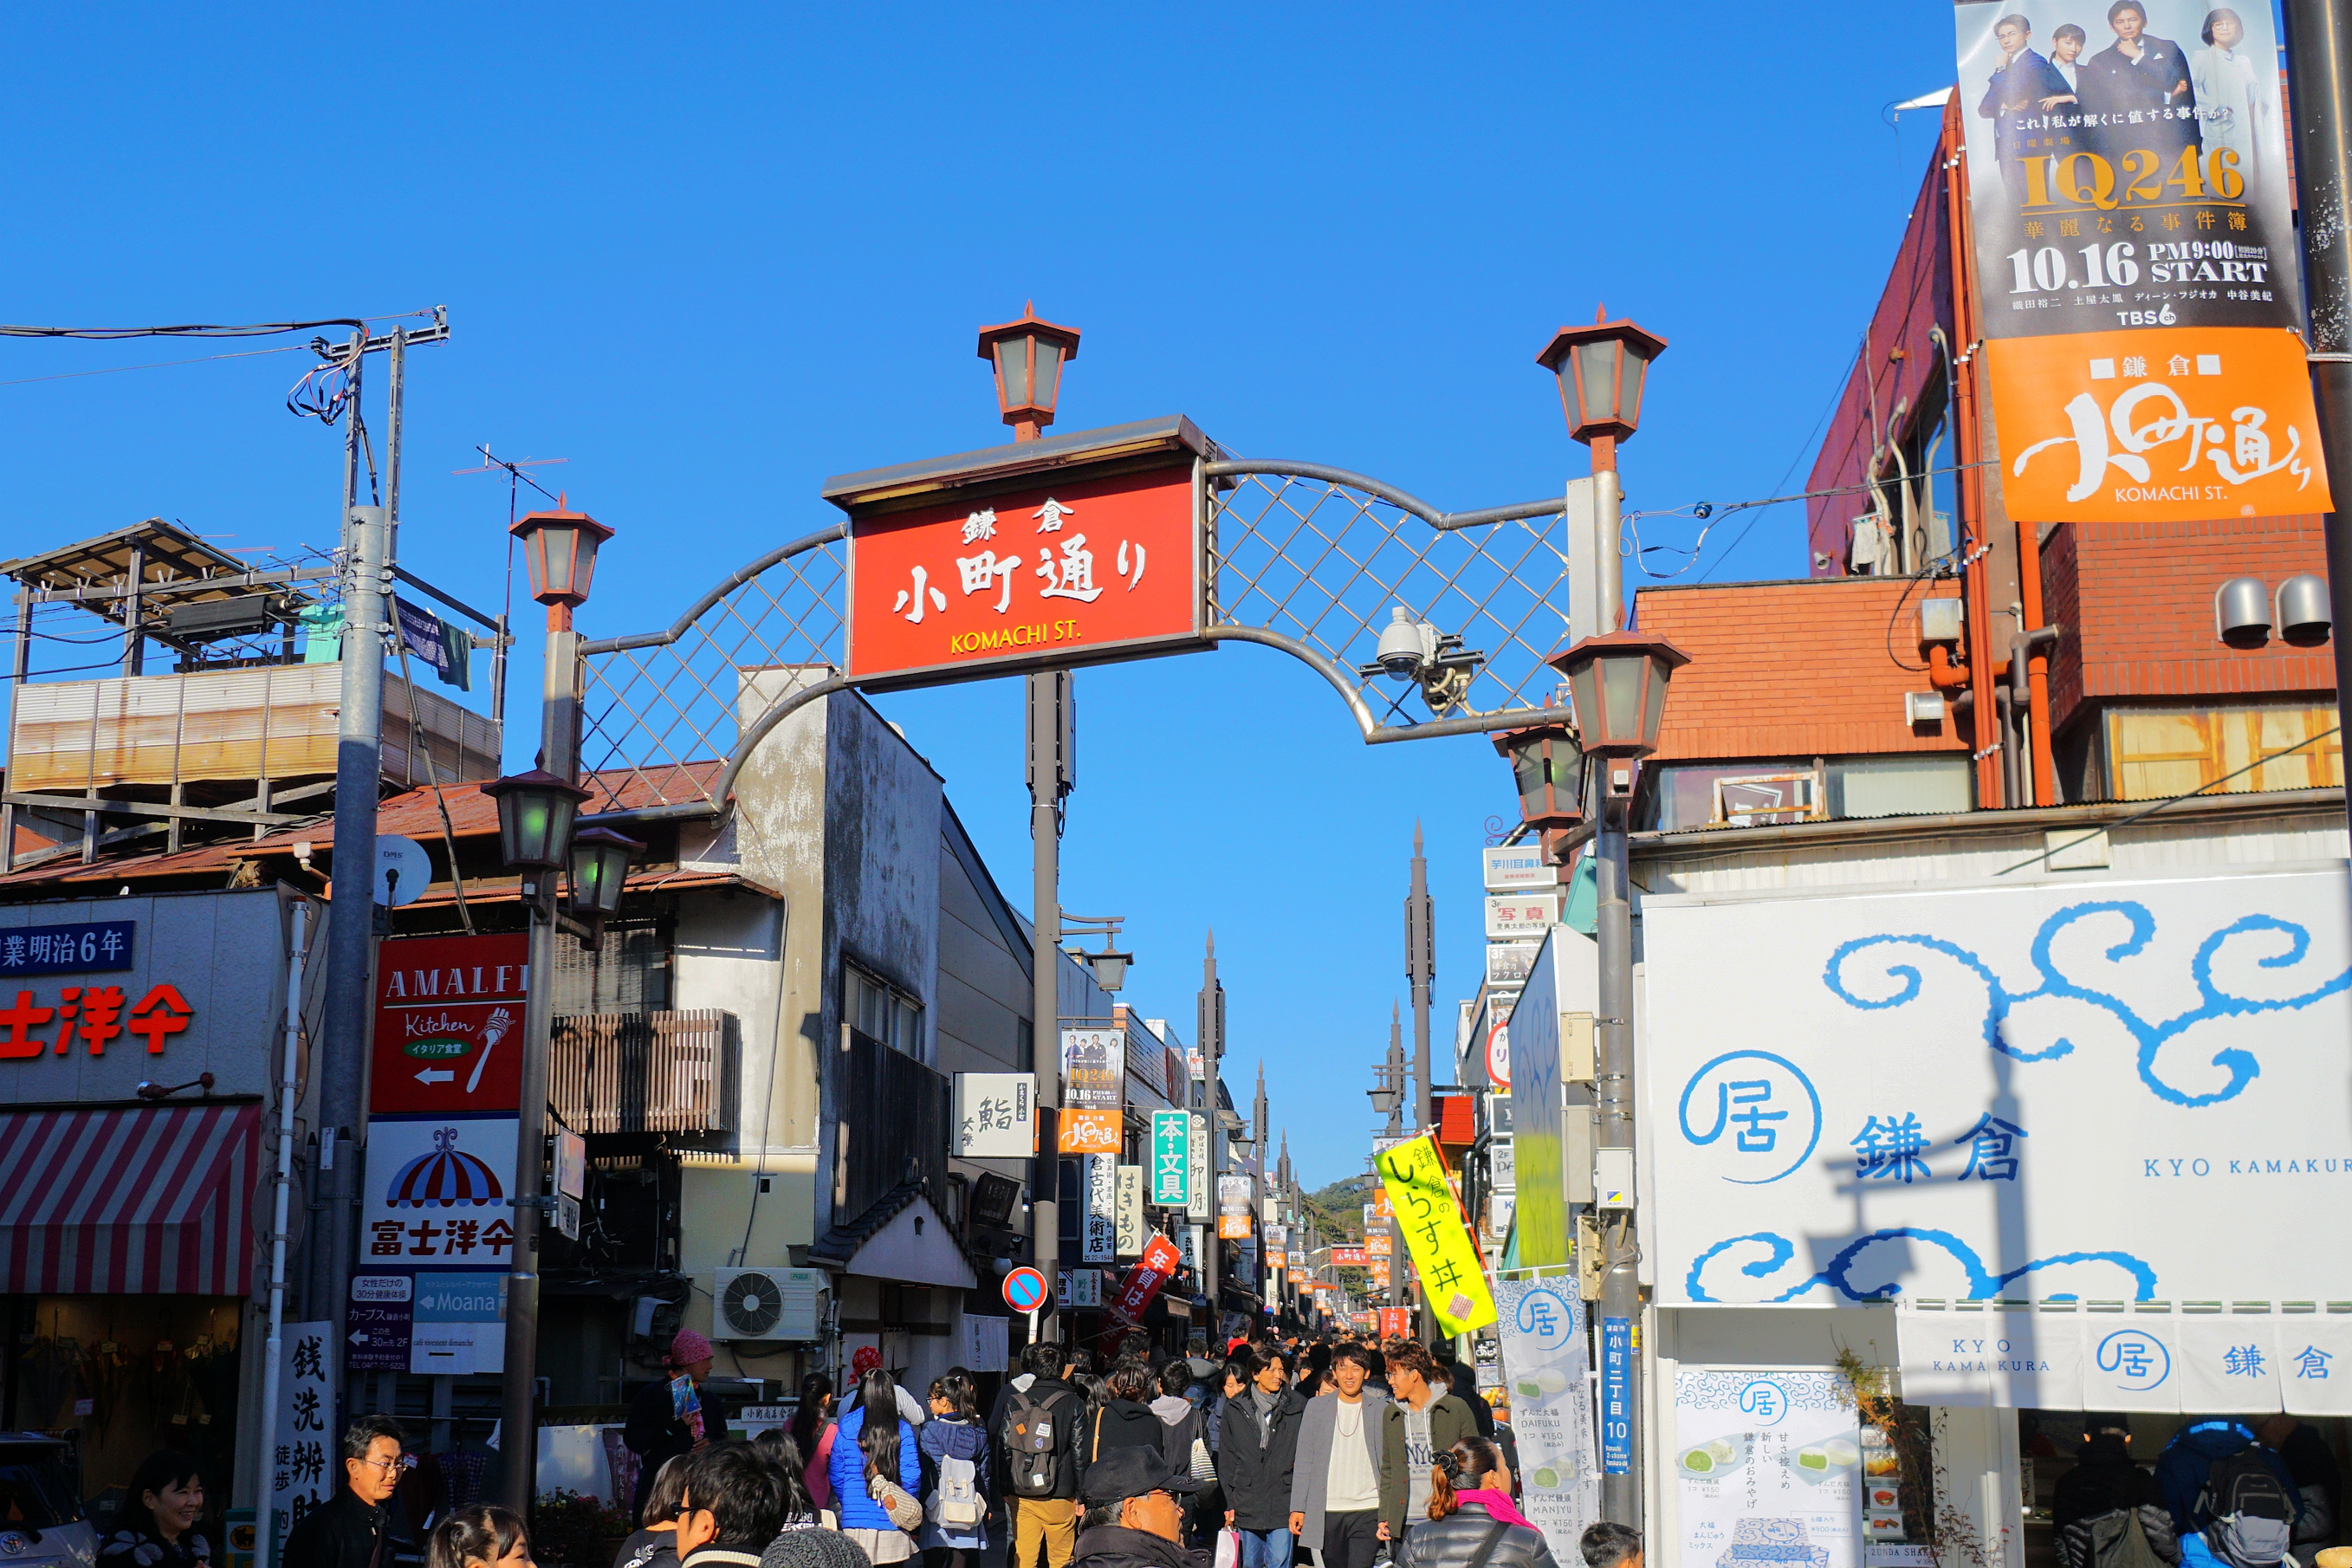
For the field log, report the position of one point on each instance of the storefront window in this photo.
(127, 1375)
(1755, 794)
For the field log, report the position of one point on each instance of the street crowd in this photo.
(1338, 1453)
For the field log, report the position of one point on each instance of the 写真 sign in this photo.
(1521, 916)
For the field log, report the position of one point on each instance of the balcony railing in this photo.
(645, 1072)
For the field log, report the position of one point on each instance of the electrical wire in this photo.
(159, 364)
(1701, 511)
(2048, 854)
(203, 329)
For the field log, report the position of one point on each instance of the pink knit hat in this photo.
(689, 1348)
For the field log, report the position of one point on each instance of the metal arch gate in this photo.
(1303, 557)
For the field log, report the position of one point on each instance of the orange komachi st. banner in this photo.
(2136, 261)
(1088, 569)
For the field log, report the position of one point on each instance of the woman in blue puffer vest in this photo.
(888, 1448)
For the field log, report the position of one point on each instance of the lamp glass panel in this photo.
(1653, 701)
(1013, 365)
(1528, 767)
(584, 572)
(1584, 691)
(561, 809)
(1596, 362)
(1637, 371)
(1049, 373)
(556, 545)
(1567, 768)
(1621, 696)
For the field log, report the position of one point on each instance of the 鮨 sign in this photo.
(1079, 549)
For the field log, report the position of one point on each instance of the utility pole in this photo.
(1396, 1130)
(1258, 1189)
(1210, 1028)
(2319, 62)
(1621, 1292)
(369, 556)
(1421, 970)
(1053, 724)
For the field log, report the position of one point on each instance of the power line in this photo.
(159, 364)
(201, 330)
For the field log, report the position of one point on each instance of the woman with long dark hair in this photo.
(157, 1526)
(653, 1543)
(480, 1538)
(783, 1455)
(813, 1435)
(1469, 1504)
(954, 1512)
(873, 1445)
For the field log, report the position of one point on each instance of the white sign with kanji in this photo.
(304, 1469)
(995, 1115)
(438, 1192)
(2021, 1090)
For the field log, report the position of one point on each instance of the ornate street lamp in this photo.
(1110, 966)
(1619, 683)
(560, 549)
(535, 814)
(600, 867)
(1601, 368)
(1028, 355)
(1547, 765)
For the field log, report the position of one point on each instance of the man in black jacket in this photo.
(1258, 1433)
(1135, 1511)
(2098, 1496)
(1043, 1512)
(355, 1530)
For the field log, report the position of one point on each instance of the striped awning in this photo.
(130, 1202)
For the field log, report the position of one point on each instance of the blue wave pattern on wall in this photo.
(1983, 1283)
(2149, 1037)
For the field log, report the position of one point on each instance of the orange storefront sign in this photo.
(1089, 1133)
(2158, 424)
(1059, 573)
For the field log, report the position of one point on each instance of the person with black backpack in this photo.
(2108, 1512)
(2220, 1483)
(1036, 1429)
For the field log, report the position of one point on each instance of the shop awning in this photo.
(128, 1202)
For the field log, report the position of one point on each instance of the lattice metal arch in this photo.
(1306, 558)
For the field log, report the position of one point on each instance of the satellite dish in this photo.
(403, 869)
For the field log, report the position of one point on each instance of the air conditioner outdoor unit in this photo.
(767, 1304)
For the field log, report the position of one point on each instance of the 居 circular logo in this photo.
(1764, 1402)
(1545, 1319)
(1757, 1113)
(2135, 1358)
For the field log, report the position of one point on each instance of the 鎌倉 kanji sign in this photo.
(1033, 556)
(448, 1023)
(1444, 1257)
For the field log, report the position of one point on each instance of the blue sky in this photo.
(712, 256)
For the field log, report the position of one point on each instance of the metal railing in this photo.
(1304, 558)
(645, 1072)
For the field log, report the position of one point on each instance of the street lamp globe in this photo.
(535, 814)
(1547, 765)
(1601, 369)
(1619, 683)
(559, 548)
(1110, 966)
(1028, 355)
(600, 868)
(1384, 1099)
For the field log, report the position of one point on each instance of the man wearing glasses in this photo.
(1135, 1512)
(355, 1530)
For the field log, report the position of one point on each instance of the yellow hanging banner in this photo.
(1443, 1256)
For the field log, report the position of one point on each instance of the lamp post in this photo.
(1388, 1097)
(1027, 356)
(1617, 683)
(537, 811)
